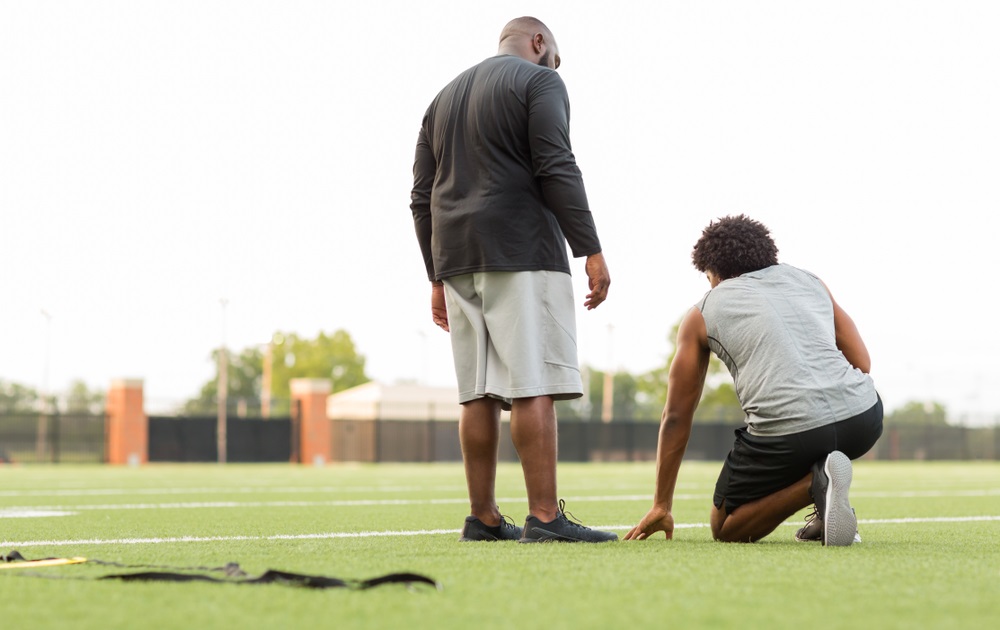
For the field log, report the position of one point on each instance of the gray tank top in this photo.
(773, 328)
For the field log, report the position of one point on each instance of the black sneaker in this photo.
(813, 530)
(475, 530)
(561, 529)
(831, 483)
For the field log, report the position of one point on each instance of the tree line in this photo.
(258, 370)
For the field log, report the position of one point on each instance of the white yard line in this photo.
(188, 505)
(333, 503)
(418, 532)
(93, 492)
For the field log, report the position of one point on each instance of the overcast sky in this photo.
(157, 157)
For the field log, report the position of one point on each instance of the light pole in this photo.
(265, 385)
(223, 390)
(42, 434)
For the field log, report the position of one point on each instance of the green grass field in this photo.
(930, 556)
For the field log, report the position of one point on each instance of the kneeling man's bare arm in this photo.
(684, 386)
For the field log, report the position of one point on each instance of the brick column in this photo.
(126, 427)
(309, 408)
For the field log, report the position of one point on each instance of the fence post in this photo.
(431, 439)
(893, 444)
(126, 424)
(315, 434)
(295, 431)
(55, 436)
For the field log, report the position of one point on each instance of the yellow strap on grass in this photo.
(51, 562)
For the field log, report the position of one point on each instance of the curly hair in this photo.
(733, 246)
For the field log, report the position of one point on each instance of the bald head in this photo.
(530, 39)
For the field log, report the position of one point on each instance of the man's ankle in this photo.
(545, 515)
(488, 518)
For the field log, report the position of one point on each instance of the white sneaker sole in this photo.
(840, 525)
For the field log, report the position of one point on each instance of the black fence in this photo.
(79, 438)
(437, 441)
(52, 438)
(194, 439)
(617, 441)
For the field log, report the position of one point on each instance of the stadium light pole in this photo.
(223, 390)
(45, 358)
(266, 375)
(42, 429)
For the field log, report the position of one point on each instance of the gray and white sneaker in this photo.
(830, 486)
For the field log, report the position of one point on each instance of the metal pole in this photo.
(265, 386)
(223, 390)
(42, 432)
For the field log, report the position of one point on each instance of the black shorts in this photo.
(759, 466)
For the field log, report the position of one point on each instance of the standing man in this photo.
(801, 373)
(496, 196)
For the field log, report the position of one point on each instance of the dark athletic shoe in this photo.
(813, 530)
(831, 483)
(475, 530)
(561, 529)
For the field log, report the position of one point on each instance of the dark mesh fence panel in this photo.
(71, 438)
(194, 439)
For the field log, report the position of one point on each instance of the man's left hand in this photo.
(656, 520)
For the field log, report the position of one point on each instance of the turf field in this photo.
(930, 555)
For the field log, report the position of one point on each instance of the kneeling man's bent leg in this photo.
(754, 520)
(763, 481)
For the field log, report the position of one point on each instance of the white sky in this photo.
(158, 156)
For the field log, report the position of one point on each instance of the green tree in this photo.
(627, 403)
(327, 356)
(719, 402)
(651, 388)
(243, 383)
(80, 399)
(916, 412)
(16, 398)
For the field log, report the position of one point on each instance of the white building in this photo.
(375, 400)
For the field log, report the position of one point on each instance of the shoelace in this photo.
(569, 515)
(812, 516)
(507, 522)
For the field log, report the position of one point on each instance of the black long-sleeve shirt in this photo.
(495, 183)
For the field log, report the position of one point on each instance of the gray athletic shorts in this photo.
(513, 335)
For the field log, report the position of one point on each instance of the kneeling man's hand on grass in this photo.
(656, 520)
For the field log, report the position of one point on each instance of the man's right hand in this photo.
(439, 309)
(598, 278)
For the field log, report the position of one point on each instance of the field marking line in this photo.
(333, 503)
(33, 512)
(84, 492)
(418, 532)
(16, 511)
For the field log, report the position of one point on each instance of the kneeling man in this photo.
(800, 370)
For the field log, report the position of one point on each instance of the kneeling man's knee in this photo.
(717, 519)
